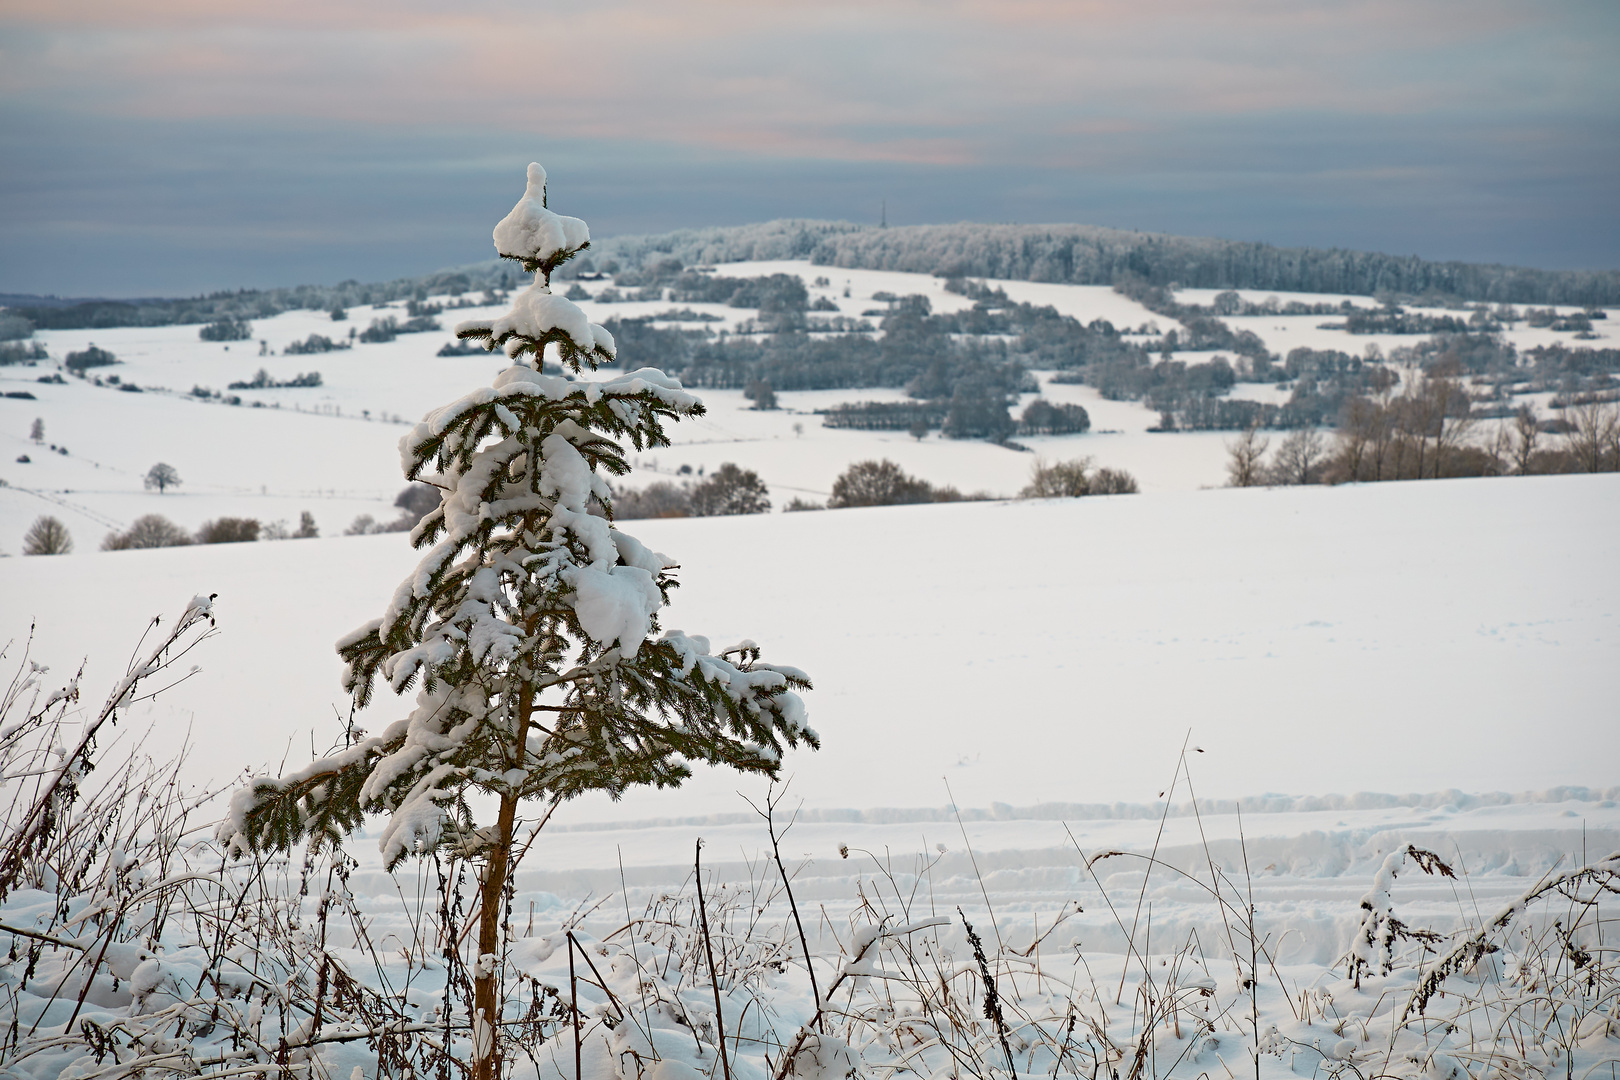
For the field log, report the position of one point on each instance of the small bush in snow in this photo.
(47, 536)
(77, 362)
(660, 499)
(147, 531)
(315, 343)
(730, 490)
(227, 330)
(228, 530)
(878, 483)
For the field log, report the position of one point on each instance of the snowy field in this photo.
(1425, 664)
(1394, 638)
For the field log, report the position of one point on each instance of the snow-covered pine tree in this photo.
(531, 625)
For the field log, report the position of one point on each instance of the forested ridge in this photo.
(1070, 254)
(1092, 255)
(1086, 255)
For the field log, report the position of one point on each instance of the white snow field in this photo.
(1398, 637)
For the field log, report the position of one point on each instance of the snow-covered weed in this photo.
(134, 947)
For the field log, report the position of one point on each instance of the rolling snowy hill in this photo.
(1397, 637)
(330, 449)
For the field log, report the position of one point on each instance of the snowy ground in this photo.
(1398, 637)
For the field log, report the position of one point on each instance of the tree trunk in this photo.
(491, 902)
(486, 983)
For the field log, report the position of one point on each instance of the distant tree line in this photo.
(972, 363)
(247, 304)
(886, 415)
(263, 381)
(1074, 254)
(1087, 255)
(916, 352)
(1326, 381)
(1091, 255)
(1431, 430)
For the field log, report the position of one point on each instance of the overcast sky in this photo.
(162, 147)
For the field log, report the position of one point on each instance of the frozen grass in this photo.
(137, 949)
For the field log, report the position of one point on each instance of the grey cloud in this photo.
(196, 148)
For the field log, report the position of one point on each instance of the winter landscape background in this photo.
(1449, 610)
(1003, 686)
(1209, 591)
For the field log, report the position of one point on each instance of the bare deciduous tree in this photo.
(1300, 458)
(1454, 417)
(1058, 479)
(162, 477)
(47, 536)
(1526, 433)
(1243, 458)
(147, 531)
(1593, 436)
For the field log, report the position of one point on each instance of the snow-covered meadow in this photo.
(1399, 638)
(1006, 690)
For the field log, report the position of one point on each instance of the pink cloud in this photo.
(902, 80)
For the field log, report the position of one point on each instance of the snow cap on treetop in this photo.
(534, 234)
